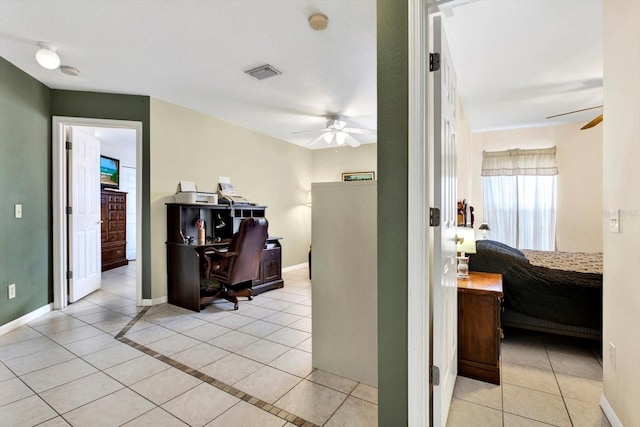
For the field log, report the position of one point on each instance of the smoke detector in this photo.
(318, 21)
(70, 71)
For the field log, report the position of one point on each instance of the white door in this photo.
(84, 221)
(444, 280)
(128, 184)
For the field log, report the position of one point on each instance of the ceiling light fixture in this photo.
(318, 21)
(47, 56)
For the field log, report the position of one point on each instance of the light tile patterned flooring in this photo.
(175, 367)
(546, 380)
(66, 367)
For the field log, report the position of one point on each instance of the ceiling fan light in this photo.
(336, 124)
(340, 137)
(328, 137)
(47, 56)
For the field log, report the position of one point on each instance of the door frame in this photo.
(419, 234)
(59, 197)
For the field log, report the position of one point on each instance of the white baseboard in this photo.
(609, 412)
(8, 327)
(295, 267)
(154, 301)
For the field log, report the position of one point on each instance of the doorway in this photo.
(431, 310)
(60, 166)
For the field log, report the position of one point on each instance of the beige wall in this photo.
(579, 157)
(464, 156)
(621, 190)
(330, 163)
(187, 145)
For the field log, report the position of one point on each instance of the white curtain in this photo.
(519, 192)
(501, 208)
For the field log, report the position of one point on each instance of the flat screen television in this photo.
(109, 172)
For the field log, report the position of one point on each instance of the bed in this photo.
(557, 292)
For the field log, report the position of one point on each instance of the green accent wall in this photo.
(393, 136)
(26, 247)
(25, 178)
(117, 107)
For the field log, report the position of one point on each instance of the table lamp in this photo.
(484, 227)
(465, 244)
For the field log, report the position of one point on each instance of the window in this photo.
(519, 192)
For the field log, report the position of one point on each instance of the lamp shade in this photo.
(484, 226)
(466, 240)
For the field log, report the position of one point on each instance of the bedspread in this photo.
(570, 261)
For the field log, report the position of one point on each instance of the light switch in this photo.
(18, 210)
(614, 220)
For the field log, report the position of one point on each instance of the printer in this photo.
(189, 194)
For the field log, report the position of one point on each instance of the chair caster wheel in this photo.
(235, 306)
(250, 298)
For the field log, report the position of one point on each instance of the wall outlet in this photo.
(18, 211)
(11, 290)
(612, 356)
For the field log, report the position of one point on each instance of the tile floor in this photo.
(546, 380)
(105, 362)
(251, 367)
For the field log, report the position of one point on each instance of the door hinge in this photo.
(68, 145)
(434, 61)
(434, 217)
(435, 375)
(69, 274)
(69, 210)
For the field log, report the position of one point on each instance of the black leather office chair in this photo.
(237, 266)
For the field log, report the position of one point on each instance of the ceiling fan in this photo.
(337, 133)
(589, 125)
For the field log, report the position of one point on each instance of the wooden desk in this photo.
(479, 332)
(183, 272)
(183, 260)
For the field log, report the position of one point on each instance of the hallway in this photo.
(174, 367)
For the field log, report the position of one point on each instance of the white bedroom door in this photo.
(444, 274)
(84, 241)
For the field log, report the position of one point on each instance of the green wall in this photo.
(116, 107)
(26, 248)
(25, 178)
(393, 137)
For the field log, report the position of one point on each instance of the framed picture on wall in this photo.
(358, 176)
(109, 172)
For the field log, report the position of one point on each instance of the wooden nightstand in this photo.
(479, 305)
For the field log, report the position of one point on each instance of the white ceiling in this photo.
(518, 61)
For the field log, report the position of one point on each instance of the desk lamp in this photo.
(217, 225)
(466, 244)
(219, 222)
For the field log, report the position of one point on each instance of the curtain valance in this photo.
(519, 162)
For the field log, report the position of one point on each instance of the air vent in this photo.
(263, 72)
